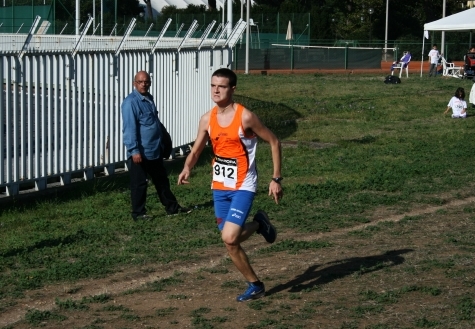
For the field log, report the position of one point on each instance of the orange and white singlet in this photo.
(234, 166)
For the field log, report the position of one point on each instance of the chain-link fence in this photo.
(266, 30)
(18, 19)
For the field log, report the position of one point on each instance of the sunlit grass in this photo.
(361, 145)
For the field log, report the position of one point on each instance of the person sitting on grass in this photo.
(458, 104)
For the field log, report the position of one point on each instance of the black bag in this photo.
(166, 144)
(392, 79)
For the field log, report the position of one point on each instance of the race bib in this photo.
(225, 171)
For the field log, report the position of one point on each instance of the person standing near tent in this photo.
(433, 60)
(469, 64)
(471, 97)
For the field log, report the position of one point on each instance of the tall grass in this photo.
(352, 145)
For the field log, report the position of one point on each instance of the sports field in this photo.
(376, 227)
(385, 68)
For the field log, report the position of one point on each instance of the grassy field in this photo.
(376, 225)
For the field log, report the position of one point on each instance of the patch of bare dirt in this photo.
(315, 288)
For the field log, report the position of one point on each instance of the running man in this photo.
(233, 131)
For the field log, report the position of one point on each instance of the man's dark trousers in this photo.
(138, 186)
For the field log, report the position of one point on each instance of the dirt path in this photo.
(126, 280)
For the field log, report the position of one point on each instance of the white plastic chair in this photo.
(450, 70)
(400, 65)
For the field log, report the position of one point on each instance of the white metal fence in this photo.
(60, 103)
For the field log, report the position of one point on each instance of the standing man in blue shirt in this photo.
(142, 138)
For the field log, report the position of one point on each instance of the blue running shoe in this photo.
(253, 292)
(266, 229)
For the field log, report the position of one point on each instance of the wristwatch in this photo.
(277, 179)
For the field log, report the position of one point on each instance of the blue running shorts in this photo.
(232, 206)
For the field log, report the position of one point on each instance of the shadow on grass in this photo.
(66, 193)
(279, 118)
(119, 181)
(47, 243)
(362, 265)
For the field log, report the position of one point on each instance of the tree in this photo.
(212, 4)
(66, 10)
(289, 6)
(329, 19)
(301, 5)
(270, 3)
(149, 9)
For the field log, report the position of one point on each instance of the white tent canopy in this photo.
(463, 21)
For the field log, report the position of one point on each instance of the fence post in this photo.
(291, 57)
(346, 56)
(235, 57)
(309, 29)
(13, 18)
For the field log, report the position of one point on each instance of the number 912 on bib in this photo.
(225, 171)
